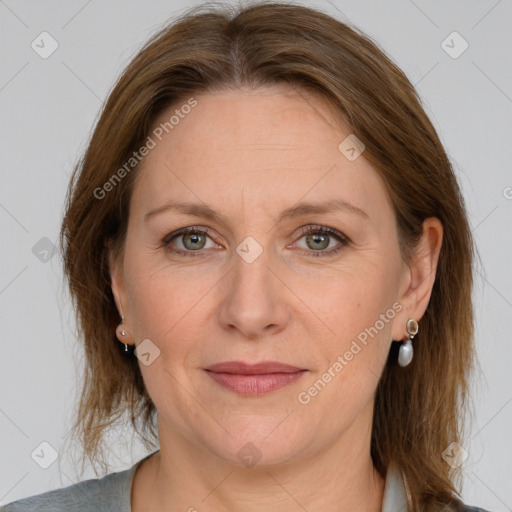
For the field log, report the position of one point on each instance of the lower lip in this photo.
(255, 385)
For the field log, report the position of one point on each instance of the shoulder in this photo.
(461, 507)
(397, 495)
(112, 492)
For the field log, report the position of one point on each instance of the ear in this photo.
(116, 276)
(419, 276)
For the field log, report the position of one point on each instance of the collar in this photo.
(396, 493)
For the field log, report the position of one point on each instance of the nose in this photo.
(255, 299)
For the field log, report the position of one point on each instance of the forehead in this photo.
(273, 146)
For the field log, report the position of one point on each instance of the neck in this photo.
(186, 477)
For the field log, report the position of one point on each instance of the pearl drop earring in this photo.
(406, 351)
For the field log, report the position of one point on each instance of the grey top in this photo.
(112, 493)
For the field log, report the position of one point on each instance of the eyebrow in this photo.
(298, 210)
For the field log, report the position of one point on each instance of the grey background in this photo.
(48, 107)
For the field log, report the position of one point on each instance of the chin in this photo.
(255, 441)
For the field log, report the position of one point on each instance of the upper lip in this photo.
(241, 368)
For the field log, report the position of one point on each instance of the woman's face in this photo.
(252, 285)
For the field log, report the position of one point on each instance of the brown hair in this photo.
(419, 410)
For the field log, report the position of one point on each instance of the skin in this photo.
(249, 155)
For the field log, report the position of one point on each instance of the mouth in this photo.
(254, 379)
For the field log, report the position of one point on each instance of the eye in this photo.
(188, 241)
(191, 240)
(319, 238)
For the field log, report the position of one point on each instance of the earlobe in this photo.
(118, 291)
(422, 273)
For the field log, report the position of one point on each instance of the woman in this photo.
(271, 265)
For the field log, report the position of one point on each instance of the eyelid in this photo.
(314, 228)
(343, 241)
(166, 241)
(189, 229)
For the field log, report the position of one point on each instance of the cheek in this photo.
(352, 299)
(358, 306)
(162, 298)
(168, 307)
(360, 312)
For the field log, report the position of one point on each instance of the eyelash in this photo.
(323, 230)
